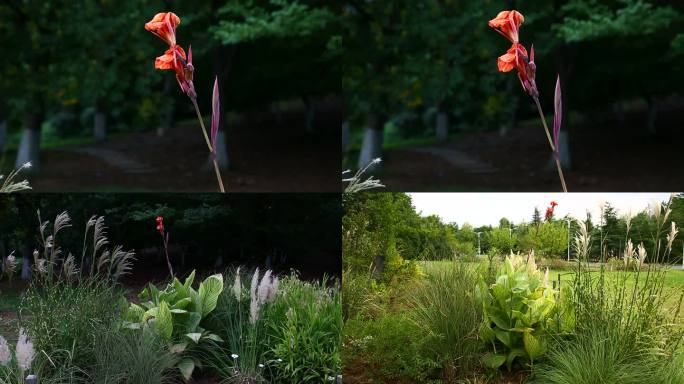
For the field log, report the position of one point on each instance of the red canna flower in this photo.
(508, 23)
(164, 26)
(160, 225)
(549, 210)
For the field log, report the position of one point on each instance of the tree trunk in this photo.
(221, 152)
(310, 114)
(29, 147)
(442, 127)
(3, 135)
(100, 123)
(371, 148)
(26, 269)
(652, 115)
(166, 119)
(345, 136)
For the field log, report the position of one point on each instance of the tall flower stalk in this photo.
(507, 23)
(163, 25)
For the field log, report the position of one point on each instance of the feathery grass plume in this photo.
(254, 303)
(9, 185)
(641, 251)
(582, 241)
(629, 254)
(356, 182)
(69, 269)
(5, 353)
(671, 236)
(237, 286)
(25, 352)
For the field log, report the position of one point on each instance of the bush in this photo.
(132, 357)
(518, 309)
(388, 349)
(443, 307)
(364, 298)
(304, 325)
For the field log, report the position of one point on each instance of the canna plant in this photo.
(175, 314)
(507, 23)
(518, 309)
(163, 25)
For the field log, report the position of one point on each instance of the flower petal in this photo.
(215, 114)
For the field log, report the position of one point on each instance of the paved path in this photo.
(458, 159)
(116, 159)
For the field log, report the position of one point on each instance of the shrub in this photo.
(364, 297)
(518, 309)
(132, 357)
(388, 349)
(305, 325)
(66, 321)
(443, 307)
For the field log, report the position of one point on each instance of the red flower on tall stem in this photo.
(507, 23)
(160, 225)
(550, 209)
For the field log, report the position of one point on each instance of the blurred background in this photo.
(423, 92)
(82, 101)
(207, 232)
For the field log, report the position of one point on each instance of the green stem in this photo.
(553, 147)
(211, 149)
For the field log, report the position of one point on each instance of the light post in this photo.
(568, 239)
(479, 248)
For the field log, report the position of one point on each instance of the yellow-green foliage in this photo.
(518, 310)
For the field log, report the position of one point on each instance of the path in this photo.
(458, 159)
(124, 162)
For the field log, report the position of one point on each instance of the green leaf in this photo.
(486, 333)
(189, 280)
(504, 337)
(209, 291)
(182, 303)
(195, 336)
(533, 346)
(493, 361)
(186, 367)
(135, 313)
(517, 352)
(163, 323)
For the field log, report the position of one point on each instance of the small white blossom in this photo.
(25, 351)
(261, 365)
(237, 286)
(5, 354)
(234, 356)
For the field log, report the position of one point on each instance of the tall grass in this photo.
(444, 308)
(622, 330)
(132, 357)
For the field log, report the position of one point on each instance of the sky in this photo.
(480, 209)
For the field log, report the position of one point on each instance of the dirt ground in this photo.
(605, 155)
(267, 154)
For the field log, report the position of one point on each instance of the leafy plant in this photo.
(517, 309)
(175, 314)
(305, 325)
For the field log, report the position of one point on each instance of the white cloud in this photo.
(487, 208)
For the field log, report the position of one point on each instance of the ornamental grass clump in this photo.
(518, 309)
(626, 325)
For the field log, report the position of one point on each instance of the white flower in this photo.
(237, 286)
(254, 303)
(25, 351)
(261, 365)
(280, 360)
(27, 165)
(5, 354)
(234, 356)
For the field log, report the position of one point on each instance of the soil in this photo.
(267, 153)
(605, 155)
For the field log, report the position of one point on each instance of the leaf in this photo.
(533, 346)
(135, 313)
(214, 337)
(493, 360)
(164, 321)
(517, 352)
(189, 280)
(557, 114)
(504, 337)
(195, 336)
(186, 367)
(182, 303)
(209, 292)
(192, 322)
(486, 333)
(178, 348)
